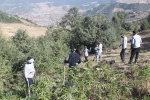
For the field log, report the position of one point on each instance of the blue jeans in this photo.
(29, 82)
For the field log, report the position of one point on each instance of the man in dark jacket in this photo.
(74, 59)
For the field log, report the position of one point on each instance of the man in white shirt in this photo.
(99, 55)
(124, 46)
(136, 44)
(29, 72)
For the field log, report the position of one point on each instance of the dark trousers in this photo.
(122, 55)
(30, 82)
(86, 58)
(134, 51)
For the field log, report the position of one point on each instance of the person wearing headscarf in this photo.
(29, 72)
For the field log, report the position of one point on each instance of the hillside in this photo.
(5, 18)
(46, 12)
(133, 1)
(137, 11)
(9, 29)
(10, 24)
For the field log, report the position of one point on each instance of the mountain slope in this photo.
(140, 10)
(9, 24)
(46, 12)
(5, 18)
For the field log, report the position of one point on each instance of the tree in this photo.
(145, 25)
(71, 19)
(22, 41)
(119, 18)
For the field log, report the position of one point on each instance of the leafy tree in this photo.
(145, 25)
(71, 19)
(127, 26)
(135, 27)
(22, 41)
(119, 18)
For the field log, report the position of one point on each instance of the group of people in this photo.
(135, 47)
(74, 58)
(98, 52)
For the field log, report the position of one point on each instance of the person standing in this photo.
(29, 72)
(86, 53)
(99, 55)
(74, 59)
(136, 44)
(96, 52)
(124, 46)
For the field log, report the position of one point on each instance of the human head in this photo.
(85, 47)
(73, 50)
(134, 32)
(121, 35)
(30, 60)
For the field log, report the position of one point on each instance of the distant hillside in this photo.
(46, 12)
(133, 1)
(9, 25)
(5, 18)
(134, 9)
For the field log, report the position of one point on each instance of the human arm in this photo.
(65, 60)
(89, 50)
(69, 59)
(26, 72)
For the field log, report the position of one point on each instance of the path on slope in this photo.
(144, 57)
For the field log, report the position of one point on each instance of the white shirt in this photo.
(86, 52)
(124, 42)
(136, 41)
(100, 48)
(29, 70)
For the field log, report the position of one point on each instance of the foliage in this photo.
(88, 30)
(8, 18)
(103, 82)
(145, 25)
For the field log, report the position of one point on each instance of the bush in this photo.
(8, 18)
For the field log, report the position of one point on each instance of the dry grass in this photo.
(9, 30)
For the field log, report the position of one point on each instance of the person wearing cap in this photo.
(86, 53)
(99, 55)
(29, 72)
(74, 59)
(136, 44)
(124, 46)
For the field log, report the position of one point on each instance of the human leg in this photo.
(137, 54)
(133, 52)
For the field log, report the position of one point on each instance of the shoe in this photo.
(129, 63)
(136, 63)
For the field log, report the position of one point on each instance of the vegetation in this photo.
(145, 25)
(101, 82)
(5, 18)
